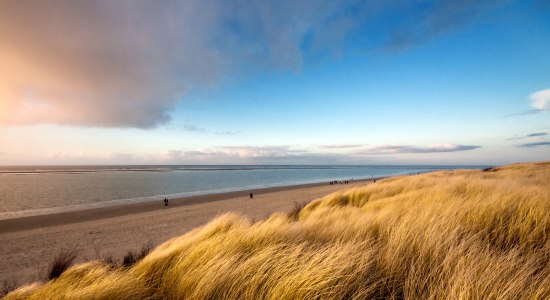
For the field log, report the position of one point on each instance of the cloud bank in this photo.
(397, 149)
(127, 63)
(296, 154)
(268, 154)
(241, 154)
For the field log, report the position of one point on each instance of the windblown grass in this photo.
(465, 234)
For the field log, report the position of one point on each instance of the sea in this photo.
(39, 190)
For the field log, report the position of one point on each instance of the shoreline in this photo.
(118, 210)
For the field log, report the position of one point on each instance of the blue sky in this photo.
(293, 82)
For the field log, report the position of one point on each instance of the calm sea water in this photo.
(26, 191)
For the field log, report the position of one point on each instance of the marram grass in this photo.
(464, 234)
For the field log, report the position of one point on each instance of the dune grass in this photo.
(60, 264)
(465, 234)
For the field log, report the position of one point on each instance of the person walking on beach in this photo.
(165, 202)
(251, 195)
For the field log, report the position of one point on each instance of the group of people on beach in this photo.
(338, 182)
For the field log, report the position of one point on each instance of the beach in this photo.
(30, 243)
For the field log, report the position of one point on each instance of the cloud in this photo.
(526, 113)
(226, 133)
(437, 18)
(397, 149)
(536, 134)
(198, 129)
(66, 157)
(285, 154)
(261, 151)
(120, 157)
(342, 146)
(270, 154)
(541, 100)
(193, 128)
(537, 144)
(127, 63)
(243, 154)
(257, 155)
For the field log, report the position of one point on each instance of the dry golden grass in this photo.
(464, 234)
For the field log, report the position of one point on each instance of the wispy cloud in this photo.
(537, 144)
(199, 129)
(396, 149)
(536, 134)
(438, 18)
(127, 63)
(226, 133)
(193, 128)
(526, 113)
(342, 146)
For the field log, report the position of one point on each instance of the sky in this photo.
(274, 82)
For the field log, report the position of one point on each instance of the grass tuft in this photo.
(60, 263)
(132, 257)
(294, 214)
(7, 286)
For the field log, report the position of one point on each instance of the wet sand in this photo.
(28, 244)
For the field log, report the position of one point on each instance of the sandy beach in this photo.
(29, 244)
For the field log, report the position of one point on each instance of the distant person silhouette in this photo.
(165, 202)
(251, 195)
